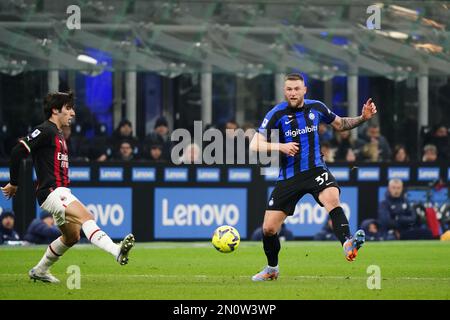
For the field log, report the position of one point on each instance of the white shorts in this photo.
(57, 202)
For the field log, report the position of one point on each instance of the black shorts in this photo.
(288, 192)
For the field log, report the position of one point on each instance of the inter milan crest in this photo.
(311, 116)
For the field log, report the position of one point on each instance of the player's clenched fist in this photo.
(290, 148)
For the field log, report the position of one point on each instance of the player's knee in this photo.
(330, 201)
(269, 230)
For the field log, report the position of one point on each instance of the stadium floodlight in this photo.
(87, 59)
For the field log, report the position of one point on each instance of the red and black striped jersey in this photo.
(49, 151)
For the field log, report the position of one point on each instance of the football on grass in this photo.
(226, 239)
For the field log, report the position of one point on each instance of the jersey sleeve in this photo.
(38, 138)
(268, 123)
(325, 114)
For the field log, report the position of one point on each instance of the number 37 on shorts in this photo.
(322, 178)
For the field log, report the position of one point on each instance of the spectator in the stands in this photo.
(191, 154)
(325, 133)
(7, 232)
(234, 139)
(42, 230)
(372, 229)
(376, 147)
(441, 139)
(396, 216)
(347, 149)
(124, 132)
(125, 151)
(153, 153)
(400, 154)
(327, 152)
(160, 136)
(430, 153)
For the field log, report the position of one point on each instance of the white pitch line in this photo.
(218, 276)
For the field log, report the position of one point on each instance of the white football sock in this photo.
(55, 250)
(99, 238)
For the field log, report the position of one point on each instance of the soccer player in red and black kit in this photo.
(48, 149)
(302, 168)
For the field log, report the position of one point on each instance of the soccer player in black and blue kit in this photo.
(302, 168)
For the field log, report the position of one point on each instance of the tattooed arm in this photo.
(368, 111)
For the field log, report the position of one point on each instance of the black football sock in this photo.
(271, 248)
(340, 224)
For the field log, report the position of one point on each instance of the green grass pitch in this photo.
(195, 270)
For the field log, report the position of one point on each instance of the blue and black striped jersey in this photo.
(299, 125)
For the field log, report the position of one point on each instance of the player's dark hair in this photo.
(56, 100)
(294, 76)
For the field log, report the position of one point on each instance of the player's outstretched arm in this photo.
(18, 153)
(368, 111)
(259, 143)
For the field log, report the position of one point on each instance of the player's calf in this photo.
(99, 238)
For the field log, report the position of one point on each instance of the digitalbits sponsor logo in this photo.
(297, 132)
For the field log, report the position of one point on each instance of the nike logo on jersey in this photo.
(329, 183)
(287, 122)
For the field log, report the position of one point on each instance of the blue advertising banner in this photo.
(143, 174)
(111, 174)
(368, 174)
(4, 174)
(208, 175)
(80, 174)
(111, 208)
(341, 174)
(427, 174)
(270, 173)
(193, 213)
(401, 173)
(239, 175)
(309, 217)
(5, 204)
(176, 174)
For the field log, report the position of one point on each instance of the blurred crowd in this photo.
(42, 230)
(401, 219)
(123, 145)
(371, 146)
